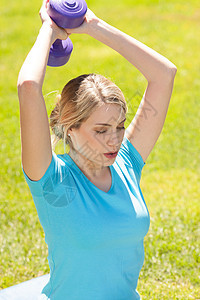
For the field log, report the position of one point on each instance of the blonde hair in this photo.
(80, 97)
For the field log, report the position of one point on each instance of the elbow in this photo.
(26, 85)
(171, 73)
(168, 75)
(27, 88)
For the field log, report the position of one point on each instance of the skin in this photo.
(91, 141)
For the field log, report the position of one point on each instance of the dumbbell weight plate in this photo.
(67, 13)
(60, 53)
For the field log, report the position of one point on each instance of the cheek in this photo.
(89, 144)
(88, 137)
(97, 142)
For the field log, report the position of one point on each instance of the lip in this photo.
(111, 154)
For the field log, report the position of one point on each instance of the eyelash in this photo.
(101, 132)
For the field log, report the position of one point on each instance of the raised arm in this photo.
(35, 132)
(148, 122)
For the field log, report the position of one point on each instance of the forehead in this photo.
(107, 113)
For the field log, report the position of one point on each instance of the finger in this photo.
(43, 11)
(68, 34)
(46, 3)
(43, 6)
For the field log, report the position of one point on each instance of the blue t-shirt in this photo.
(94, 238)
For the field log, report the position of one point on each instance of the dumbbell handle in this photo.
(66, 14)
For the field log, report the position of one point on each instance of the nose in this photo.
(114, 140)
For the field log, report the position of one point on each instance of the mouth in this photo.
(111, 154)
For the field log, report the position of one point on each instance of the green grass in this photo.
(171, 176)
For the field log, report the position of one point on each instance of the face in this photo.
(100, 135)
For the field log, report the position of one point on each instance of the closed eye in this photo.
(103, 131)
(100, 132)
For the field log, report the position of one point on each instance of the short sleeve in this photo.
(131, 157)
(57, 187)
(36, 187)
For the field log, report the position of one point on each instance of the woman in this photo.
(89, 201)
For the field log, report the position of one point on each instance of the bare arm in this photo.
(35, 132)
(158, 70)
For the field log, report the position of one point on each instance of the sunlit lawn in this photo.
(170, 179)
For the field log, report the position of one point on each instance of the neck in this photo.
(91, 169)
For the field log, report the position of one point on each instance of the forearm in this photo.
(34, 67)
(151, 64)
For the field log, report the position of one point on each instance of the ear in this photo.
(69, 131)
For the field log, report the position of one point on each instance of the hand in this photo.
(59, 33)
(90, 19)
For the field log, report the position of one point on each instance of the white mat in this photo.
(28, 290)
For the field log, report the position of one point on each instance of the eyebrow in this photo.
(105, 124)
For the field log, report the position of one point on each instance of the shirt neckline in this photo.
(90, 182)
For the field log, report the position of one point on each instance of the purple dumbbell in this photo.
(66, 14)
